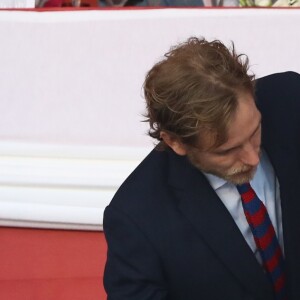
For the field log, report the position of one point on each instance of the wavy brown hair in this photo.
(196, 86)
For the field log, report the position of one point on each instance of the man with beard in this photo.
(213, 211)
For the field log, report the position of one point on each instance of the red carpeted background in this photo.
(51, 264)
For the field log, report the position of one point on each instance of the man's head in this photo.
(200, 103)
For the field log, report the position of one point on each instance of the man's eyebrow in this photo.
(220, 151)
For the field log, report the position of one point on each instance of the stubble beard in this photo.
(235, 176)
(243, 175)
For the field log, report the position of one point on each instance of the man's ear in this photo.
(173, 143)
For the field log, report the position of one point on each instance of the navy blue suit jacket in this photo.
(171, 238)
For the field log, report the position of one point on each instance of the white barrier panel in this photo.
(70, 88)
(17, 4)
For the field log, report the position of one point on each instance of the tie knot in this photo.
(244, 188)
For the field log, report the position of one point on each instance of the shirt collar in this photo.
(215, 181)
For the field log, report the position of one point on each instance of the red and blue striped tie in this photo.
(265, 239)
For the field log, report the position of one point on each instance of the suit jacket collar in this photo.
(200, 204)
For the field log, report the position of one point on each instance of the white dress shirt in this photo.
(266, 187)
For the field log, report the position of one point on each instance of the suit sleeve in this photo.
(133, 270)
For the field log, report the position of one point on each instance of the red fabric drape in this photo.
(51, 264)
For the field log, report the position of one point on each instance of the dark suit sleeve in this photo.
(133, 270)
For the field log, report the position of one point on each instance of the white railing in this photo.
(61, 187)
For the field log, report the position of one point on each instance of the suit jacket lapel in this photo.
(291, 235)
(215, 226)
(287, 172)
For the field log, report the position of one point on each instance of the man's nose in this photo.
(250, 155)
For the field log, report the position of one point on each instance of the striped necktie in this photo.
(265, 239)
